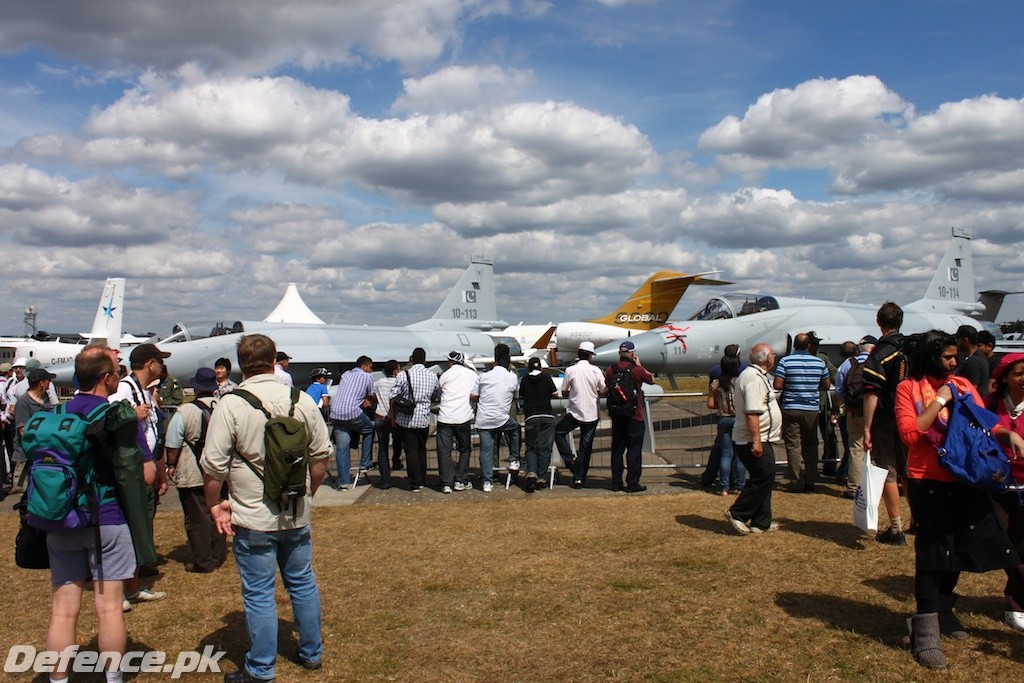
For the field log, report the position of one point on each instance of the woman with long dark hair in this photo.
(731, 473)
(957, 529)
(1007, 401)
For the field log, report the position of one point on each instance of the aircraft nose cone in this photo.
(649, 348)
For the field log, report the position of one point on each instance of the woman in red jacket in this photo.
(1007, 401)
(956, 526)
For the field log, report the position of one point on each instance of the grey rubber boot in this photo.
(949, 625)
(925, 642)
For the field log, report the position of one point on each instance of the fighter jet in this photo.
(106, 325)
(456, 325)
(696, 344)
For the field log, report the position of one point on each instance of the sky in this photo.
(212, 151)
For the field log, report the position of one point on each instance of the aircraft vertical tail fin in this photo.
(471, 304)
(952, 286)
(109, 313)
(653, 302)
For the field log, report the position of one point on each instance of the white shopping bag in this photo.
(868, 495)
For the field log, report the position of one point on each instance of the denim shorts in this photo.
(73, 555)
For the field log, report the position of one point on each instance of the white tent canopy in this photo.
(292, 309)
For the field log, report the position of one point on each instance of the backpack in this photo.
(63, 490)
(205, 412)
(286, 459)
(853, 388)
(622, 397)
(969, 450)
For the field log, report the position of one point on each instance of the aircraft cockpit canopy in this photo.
(735, 305)
(191, 331)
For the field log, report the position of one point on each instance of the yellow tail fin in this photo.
(651, 305)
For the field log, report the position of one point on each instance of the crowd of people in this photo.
(890, 399)
(893, 399)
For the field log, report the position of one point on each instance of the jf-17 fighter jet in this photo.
(696, 344)
(458, 324)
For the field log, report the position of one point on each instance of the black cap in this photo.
(143, 352)
(281, 355)
(868, 339)
(533, 363)
(813, 338)
(37, 375)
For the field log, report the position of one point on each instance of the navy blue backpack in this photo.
(969, 450)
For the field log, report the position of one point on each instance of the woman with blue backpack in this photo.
(957, 529)
(1007, 402)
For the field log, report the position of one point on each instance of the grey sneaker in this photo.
(463, 486)
(146, 595)
(488, 487)
(446, 489)
(513, 466)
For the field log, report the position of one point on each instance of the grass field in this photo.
(631, 588)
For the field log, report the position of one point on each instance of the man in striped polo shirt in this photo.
(800, 377)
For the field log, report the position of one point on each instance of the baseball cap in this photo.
(813, 337)
(457, 357)
(19, 362)
(533, 363)
(38, 375)
(626, 346)
(868, 339)
(144, 352)
(587, 346)
(281, 355)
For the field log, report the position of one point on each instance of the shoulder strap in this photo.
(251, 400)
(408, 381)
(204, 421)
(295, 399)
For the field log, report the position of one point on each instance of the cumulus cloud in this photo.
(37, 208)
(805, 125)
(250, 36)
(458, 88)
(536, 151)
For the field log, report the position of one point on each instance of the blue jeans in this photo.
(259, 554)
(343, 431)
(488, 437)
(581, 464)
(540, 435)
(732, 474)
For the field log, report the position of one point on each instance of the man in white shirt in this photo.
(758, 427)
(493, 393)
(281, 367)
(455, 423)
(584, 386)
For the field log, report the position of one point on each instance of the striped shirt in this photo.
(354, 387)
(801, 374)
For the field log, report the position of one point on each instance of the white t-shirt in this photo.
(457, 383)
(496, 388)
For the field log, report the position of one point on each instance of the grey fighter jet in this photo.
(696, 344)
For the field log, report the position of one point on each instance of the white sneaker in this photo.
(126, 606)
(1015, 619)
(774, 526)
(446, 489)
(513, 466)
(463, 486)
(739, 526)
(488, 487)
(146, 595)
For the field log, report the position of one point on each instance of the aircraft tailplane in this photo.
(471, 304)
(653, 302)
(952, 287)
(109, 313)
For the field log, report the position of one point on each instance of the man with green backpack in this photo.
(271, 445)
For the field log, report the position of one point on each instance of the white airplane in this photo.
(647, 308)
(106, 325)
(696, 344)
(469, 307)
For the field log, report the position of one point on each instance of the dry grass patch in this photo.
(648, 588)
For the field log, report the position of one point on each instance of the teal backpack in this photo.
(63, 491)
